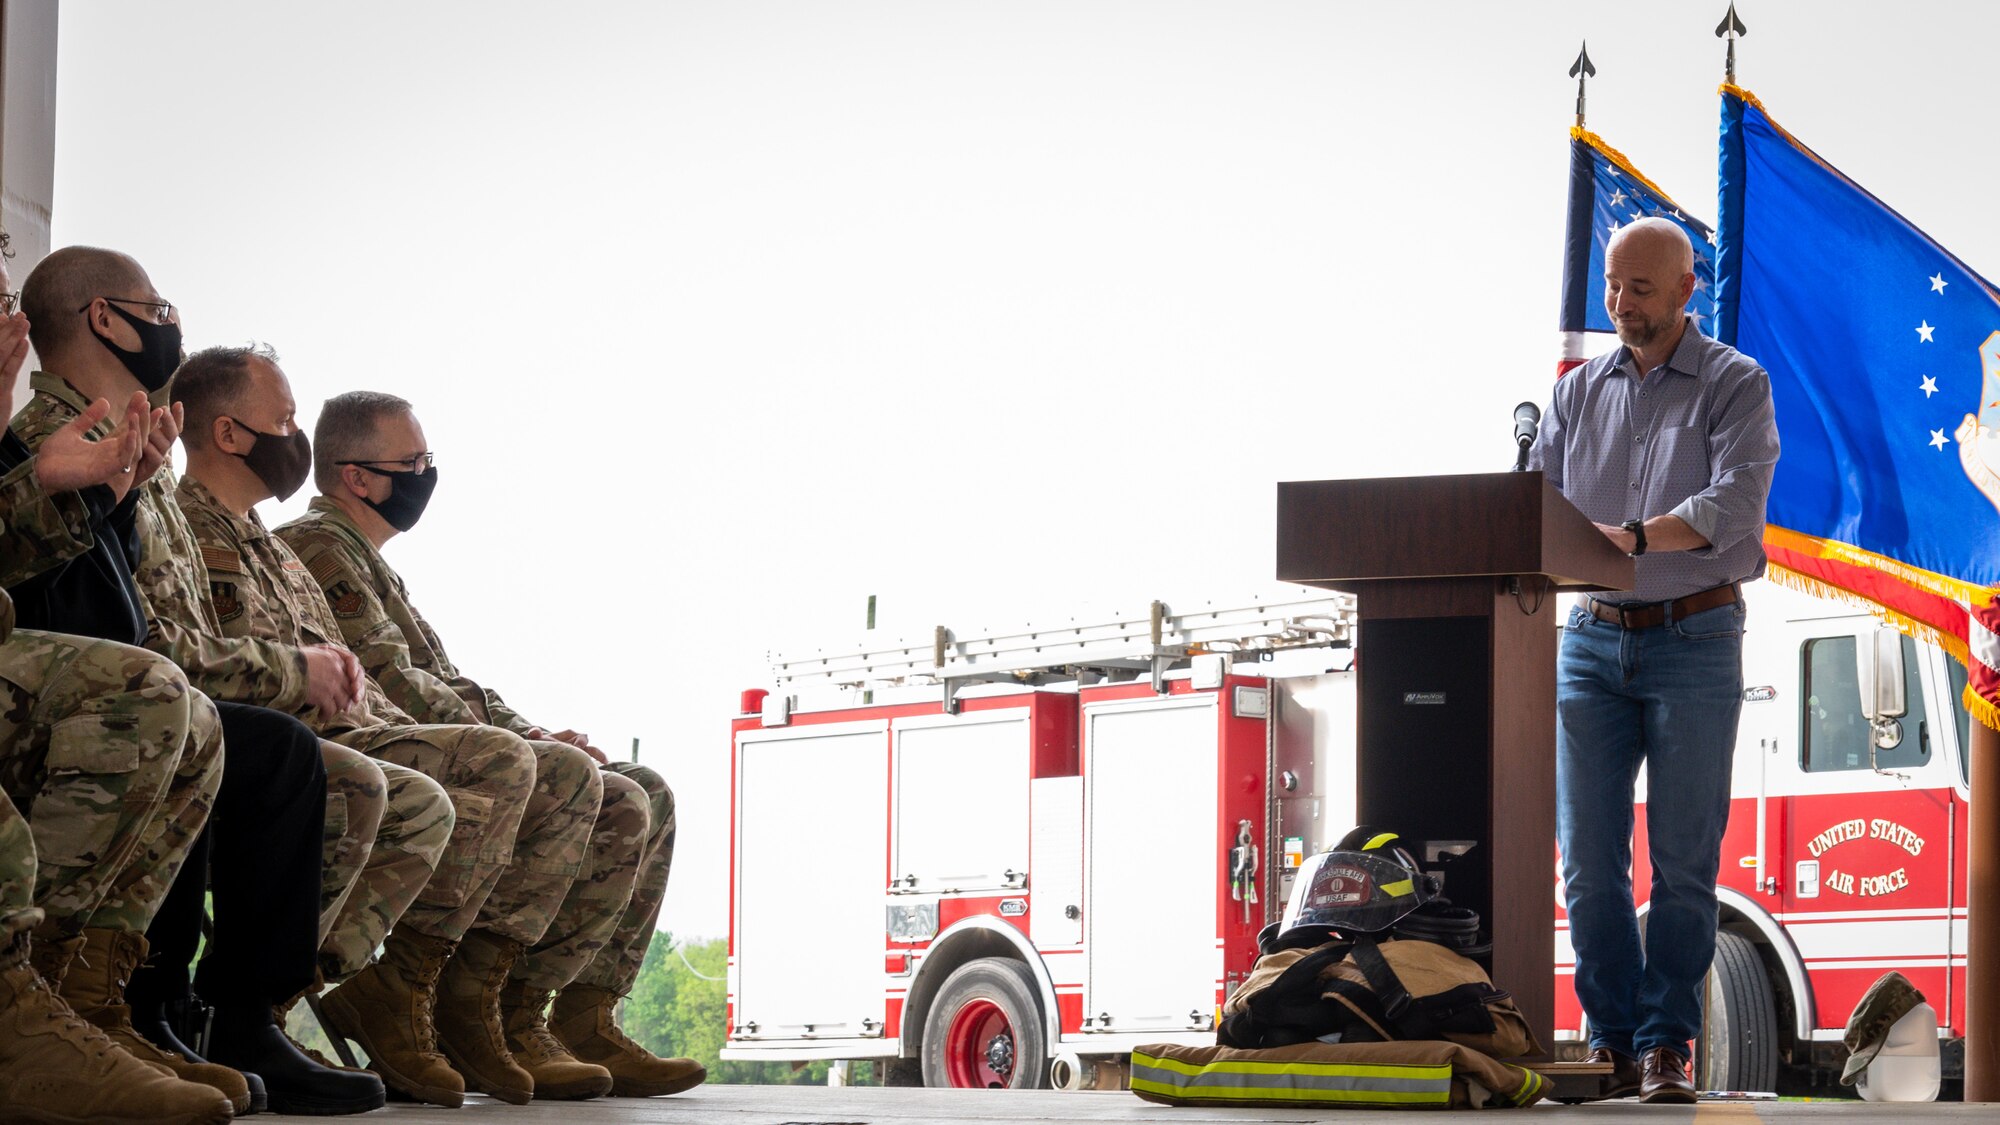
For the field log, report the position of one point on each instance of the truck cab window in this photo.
(1833, 735)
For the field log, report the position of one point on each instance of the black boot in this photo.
(167, 1015)
(249, 1037)
(169, 1021)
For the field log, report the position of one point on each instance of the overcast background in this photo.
(723, 316)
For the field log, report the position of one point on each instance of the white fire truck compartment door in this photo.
(1055, 856)
(961, 803)
(1151, 878)
(809, 870)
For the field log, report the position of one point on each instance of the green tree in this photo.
(673, 1011)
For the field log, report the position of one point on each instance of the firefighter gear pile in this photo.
(1420, 990)
(1363, 998)
(1369, 991)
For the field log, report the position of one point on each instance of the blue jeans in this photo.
(1665, 697)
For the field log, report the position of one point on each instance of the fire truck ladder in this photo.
(1123, 648)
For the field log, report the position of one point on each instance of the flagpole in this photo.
(1572, 341)
(1982, 923)
(1731, 29)
(1582, 71)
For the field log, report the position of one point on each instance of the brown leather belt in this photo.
(1649, 614)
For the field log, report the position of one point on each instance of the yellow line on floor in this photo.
(1725, 1113)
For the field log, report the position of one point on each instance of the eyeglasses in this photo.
(422, 462)
(163, 311)
(10, 303)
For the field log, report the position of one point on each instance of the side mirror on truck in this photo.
(1878, 659)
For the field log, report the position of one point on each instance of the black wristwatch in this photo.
(1638, 530)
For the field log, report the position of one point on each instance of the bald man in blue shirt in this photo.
(1668, 444)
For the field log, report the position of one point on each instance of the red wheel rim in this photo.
(979, 1047)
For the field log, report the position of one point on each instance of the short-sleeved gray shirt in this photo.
(1694, 438)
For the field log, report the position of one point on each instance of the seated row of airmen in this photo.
(195, 707)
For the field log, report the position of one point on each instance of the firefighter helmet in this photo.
(1365, 886)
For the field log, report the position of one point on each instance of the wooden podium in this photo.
(1456, 678)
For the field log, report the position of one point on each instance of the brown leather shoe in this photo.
(1665, 1078)
(1625, 1074)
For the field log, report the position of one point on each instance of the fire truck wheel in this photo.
(1738, 1046)
(984, 1030)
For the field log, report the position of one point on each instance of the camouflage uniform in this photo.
(409, 818)
(384, 835)
(115, 760)
(524, 810)
(606, 922)
(18, 913)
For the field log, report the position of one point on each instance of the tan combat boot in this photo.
(93, 984)
(583, 1021)
(558, 1074)
(387, 1007)
(55, 1067)
(468, 1017)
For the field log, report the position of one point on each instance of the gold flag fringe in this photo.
(1579, 133)
(1818, 588)
(1978, 706)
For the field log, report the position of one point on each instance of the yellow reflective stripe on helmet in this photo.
(1378, 841)
(1399, 888)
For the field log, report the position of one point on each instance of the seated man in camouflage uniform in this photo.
(101, 329)
(526, 810)
(103, 744)
(375, 475)
(100, 322)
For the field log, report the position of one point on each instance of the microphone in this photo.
(1527, 422)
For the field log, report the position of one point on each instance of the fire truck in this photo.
(1004, 859)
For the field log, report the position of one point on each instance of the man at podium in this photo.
(1668, 444)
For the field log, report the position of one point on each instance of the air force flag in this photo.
(1884, 356)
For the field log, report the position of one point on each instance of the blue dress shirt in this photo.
(1694, 438)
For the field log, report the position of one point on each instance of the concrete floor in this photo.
(813, 1105)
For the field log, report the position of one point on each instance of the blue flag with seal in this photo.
(1605, 193)
(1884, 356)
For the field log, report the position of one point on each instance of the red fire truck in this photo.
(1004, 860)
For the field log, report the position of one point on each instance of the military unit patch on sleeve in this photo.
(345, 599)
(228, 606)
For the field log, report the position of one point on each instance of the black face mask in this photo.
(405, 506)
(281, 461)
(159, 350)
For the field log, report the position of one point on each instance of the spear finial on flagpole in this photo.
(1731, 29)
(1582, 71)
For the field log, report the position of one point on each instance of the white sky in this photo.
(722, 316)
